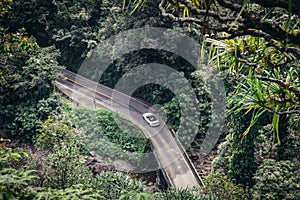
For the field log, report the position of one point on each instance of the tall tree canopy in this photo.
(257, 44)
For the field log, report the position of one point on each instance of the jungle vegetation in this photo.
(253, 44)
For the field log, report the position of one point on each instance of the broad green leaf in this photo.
(275, 123)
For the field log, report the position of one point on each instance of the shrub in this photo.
(290, 147)
(65, 167)
(117, 184)
(9, 155)
(55, 130)
(109, 135)
(26, 86)
(277, 180)
(221, 162)
(24, 120)
(186, 194)
(13, 182)
(264, 144)
(242, 163)
(28, 75)
(169, 194)
(137, 195)
(76, 192)
(223, 188)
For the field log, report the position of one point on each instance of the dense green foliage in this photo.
(114, 185)
(255, 44)
(242, 165)
(110, 135)
(221, 186)
(76, 192)
(75, 27)
(27, 72)
(13, 181)
(65, 167)
(221, 161)
(63, 175)
(24, 119)
(55, 130)
(277, 180)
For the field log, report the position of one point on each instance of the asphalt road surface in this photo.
(171, 157)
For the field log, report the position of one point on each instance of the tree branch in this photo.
(248, 63)
(266, 36)
(287, 112)
(209, 13)
(248, 24)
(281, 83)
(198, 22)
(295, 7)
(253, 22)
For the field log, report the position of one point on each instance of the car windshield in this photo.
(151, 118)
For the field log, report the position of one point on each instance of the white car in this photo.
(151, 119)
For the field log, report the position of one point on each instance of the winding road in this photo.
(178, 170)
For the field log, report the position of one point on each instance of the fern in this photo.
(76, 192)
(13, 182)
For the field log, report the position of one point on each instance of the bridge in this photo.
(177, 168)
